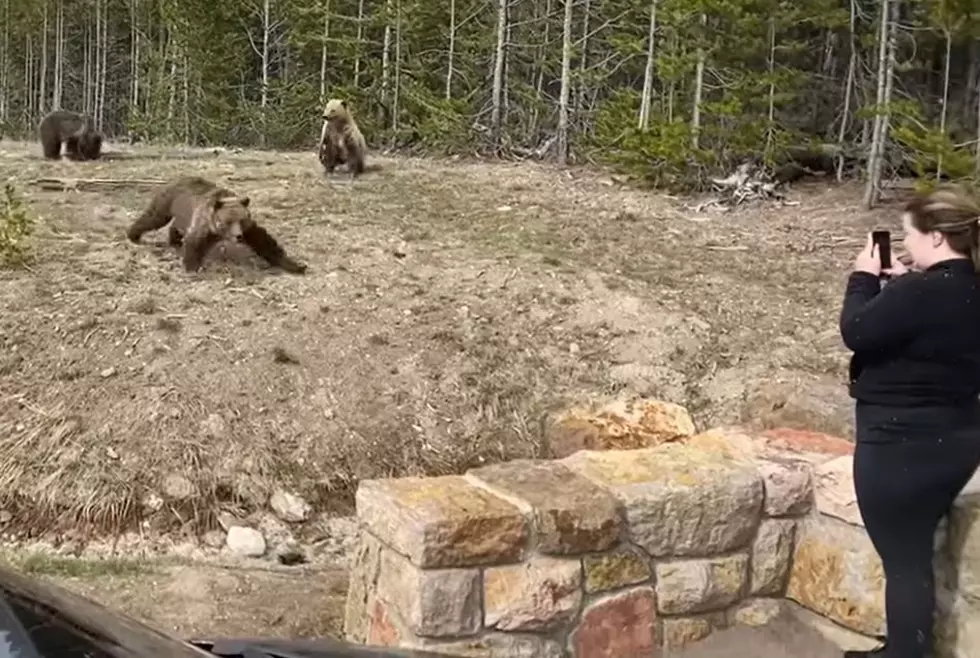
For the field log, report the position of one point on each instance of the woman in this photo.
(915, 376)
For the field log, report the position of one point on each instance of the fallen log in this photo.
(82, 184)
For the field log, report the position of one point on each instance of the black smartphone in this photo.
(883, 241)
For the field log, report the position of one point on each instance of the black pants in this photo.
(910, 463)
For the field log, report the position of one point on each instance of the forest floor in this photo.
(449, 307)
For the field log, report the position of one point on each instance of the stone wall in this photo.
(609, 553)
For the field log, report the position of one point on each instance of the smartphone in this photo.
(883, 241)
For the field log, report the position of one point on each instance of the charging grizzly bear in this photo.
(76, 131)
(203, 214)
(341, 141)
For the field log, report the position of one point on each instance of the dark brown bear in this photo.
(76, 131)
(203, 214)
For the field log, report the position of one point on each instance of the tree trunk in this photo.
(360, 43)
(886, 62)
(698, 87)
(566, 83)
(496, 111)
(646, 100)
(945, 102)
(452, 50)
(770, 131)
(323, 51)
(848, 91)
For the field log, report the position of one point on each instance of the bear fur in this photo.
(341, 141)
(203, 214)
(76, 131)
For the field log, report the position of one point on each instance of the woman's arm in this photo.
(874, 319)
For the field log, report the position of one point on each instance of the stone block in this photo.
(957, 631)
(678, 632)
(964, 545)
(690, 586)
(679, 500)
(442, 521)
(362, 585)
(836, 572)
(619, 625)
(771, 553)
(615, 569)
(834, 490)
(540, 594)
(432, 602)
(618, 425)
(788, 486)
(494, 645)
(571, 514)
(756, 612)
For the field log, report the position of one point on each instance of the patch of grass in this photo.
(41, 564)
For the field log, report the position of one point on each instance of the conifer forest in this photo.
(672, 91)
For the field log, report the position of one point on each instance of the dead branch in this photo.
(80, 184)
(746, 183)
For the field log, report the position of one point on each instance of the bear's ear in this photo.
(244, 200)
(343, 104)
(218, 202)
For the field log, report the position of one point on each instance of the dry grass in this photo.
(448, 307)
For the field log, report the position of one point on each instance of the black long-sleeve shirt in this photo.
(915, 342)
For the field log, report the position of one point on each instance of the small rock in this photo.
(214, 426)
(290, 553)
(246, 542)
(5, 517)
(214, 538)
(152, 502)
(289, 507)
(177, 487)
(108, 372)
(111, 453)
(574, 348)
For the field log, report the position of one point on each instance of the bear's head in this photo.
(335, 110)
(227, 213)
(90, 145)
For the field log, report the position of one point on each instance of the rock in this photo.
(835, 496)
(620, 625)
(957, 631)
(815, 403)
(289, 507)
(214, 427)
(540, 594)
(5, 517)
(364, 573)
(618, 425)
(214, 538)
(679, 500)
(679, 632)
(177, 487)
(442, 521)
(958, 596)
(614, 570)
(807, 442)
(836, 572)
(689, 586)
(756, 612)
(152, 502)
(788, 485)
(382, 627)
(495, 645)
(432, 603)
(771, 553)
(571, 514)
(290, 553)
(245, 542)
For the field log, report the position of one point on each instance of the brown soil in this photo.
(449, 307)
(201, 601)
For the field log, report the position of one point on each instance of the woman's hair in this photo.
(952, 211)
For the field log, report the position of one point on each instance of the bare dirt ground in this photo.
(449, 307)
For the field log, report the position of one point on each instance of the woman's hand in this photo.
(867, 260)
(898, 268)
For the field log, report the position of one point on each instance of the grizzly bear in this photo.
(341, 141)
(203, 214)
(76, 131)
